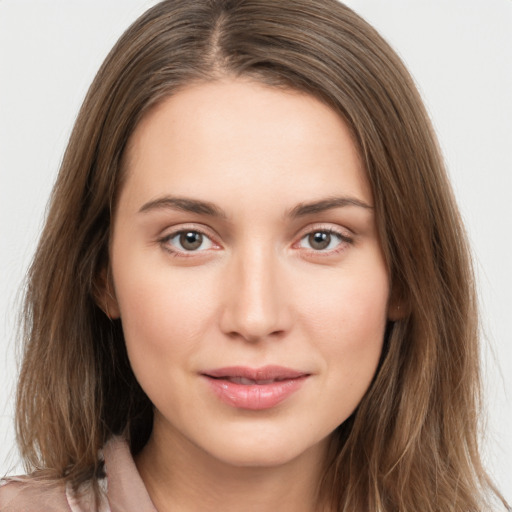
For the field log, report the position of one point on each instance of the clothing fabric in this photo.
(123, 489)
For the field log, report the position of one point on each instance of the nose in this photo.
(256, 305)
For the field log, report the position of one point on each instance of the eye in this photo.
(323, 240)
(188, 241)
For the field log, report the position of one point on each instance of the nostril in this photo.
(255, 306)
(255, 338)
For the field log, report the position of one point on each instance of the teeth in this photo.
(249, 382)
(241, 380)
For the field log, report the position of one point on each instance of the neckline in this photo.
(126, 491)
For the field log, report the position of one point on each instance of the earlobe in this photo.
(396, 312)
(104, 294)
(398, 307)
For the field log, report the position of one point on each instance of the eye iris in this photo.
(191, 240)
(319, 240)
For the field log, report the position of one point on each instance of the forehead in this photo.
(241, 134)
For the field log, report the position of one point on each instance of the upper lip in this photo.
(270, 372)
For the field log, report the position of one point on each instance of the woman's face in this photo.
(247, 271)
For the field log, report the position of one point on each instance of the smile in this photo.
(248, 382)
(254, 389)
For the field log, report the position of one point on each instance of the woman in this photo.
(253, 289)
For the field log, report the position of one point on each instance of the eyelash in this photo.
(344, 240)
(165, 242)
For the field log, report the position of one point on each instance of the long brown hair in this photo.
(412, 444)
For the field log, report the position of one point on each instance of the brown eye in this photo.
(324, 240)
(319, 240)
(187, 241)
(190, 240)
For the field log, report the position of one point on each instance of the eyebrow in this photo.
(185, 205)
(303, 209)
(210, 209)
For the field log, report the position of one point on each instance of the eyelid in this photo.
(343, 233)
(170, 233)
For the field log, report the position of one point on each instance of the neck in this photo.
(181, 477)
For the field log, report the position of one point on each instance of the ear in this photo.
(396, 312)
(104, 293)
(398, 307)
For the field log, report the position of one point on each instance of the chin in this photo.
(268, 451)
(260, 458)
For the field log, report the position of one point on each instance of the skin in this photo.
(256, 292)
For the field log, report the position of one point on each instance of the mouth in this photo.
(254, 388)
(249, 382)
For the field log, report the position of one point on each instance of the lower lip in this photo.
(255, 396)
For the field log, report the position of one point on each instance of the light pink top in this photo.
(124, 489)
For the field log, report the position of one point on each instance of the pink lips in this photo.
(254, 388)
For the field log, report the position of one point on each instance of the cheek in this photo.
(352, 306)
(164, 315)
(348, 322)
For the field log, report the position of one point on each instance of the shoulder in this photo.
(120, 489)
(24, 494)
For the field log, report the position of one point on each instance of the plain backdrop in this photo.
(460, 54)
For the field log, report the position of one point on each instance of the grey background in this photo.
(460, 53)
